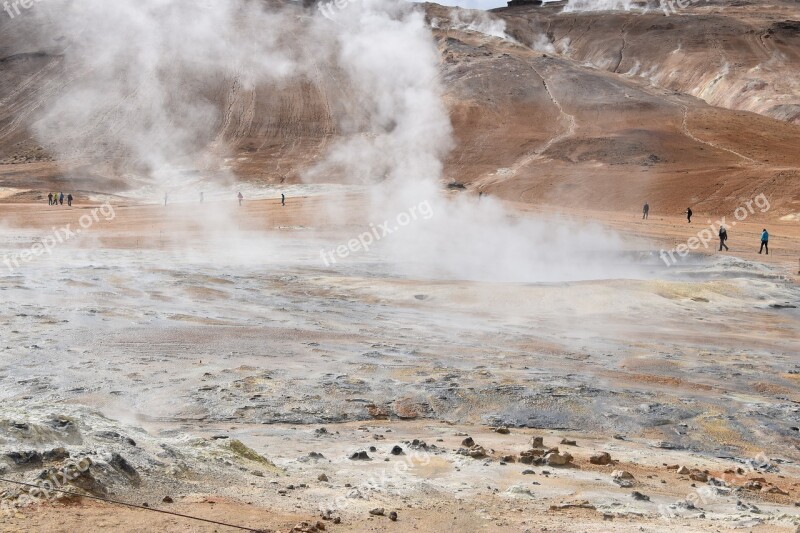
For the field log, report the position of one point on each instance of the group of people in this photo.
(723, 233)
(57, 198)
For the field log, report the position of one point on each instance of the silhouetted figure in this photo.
(61, 198)
(69, 199)
(689, 214)
(201, 197)
(645, 211)
(166, 197)
(240, 198)
(723, 236)
(49, 198)
(283, 199)
(764, 241)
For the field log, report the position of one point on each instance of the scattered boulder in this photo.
(537, 442)
(639, 496)
(683, 470)
(529, 457)
(393, 516)
(167, 499)
(323, 477)
(569, 442)
(600, 458)
(698, 475)
(378, 511)
(774, 490)
(503, 430)
(468, 442)
(558, 458)
(360, 456)
(397, 450)
(622, 478)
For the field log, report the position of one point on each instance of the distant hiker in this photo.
(764, 241)
(283, 199)
(166, 197)
(201, 197)
(61, 198)
(49, 198)
(480, 196)
(69, 199)
(645, 211)
(723, 236)
(55, 198)
(689, 214)
(240, 198)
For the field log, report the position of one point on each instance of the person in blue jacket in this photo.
(764, 241)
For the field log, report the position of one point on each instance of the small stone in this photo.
(640, 497)
(502, 430)
(373, 449)
(393, 516)
(600, 458)
(683, 470)
(337, 520)
(569, 442)
(528, 472)
(673, 467)
(378, 511)
(537, 442)
(322, 477)
(167, 499)
(621, 474)
(698, 475)
(397, 450)
(468, 442)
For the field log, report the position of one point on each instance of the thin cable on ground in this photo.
(115, 502)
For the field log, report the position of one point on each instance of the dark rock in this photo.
(25, 458)
(167, 499)
(360, 456)
(468, 442)
(640, 497)
(378, 511)
(397, 450)
(393, 516)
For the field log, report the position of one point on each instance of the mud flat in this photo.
(240, 369)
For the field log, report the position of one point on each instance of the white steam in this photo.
(142, 77)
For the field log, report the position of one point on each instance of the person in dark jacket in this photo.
(723, 236)
(764, 241)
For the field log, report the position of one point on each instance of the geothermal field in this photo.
(375, 265)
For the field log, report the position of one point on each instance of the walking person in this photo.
(61, 198)
(723, 236)
(69, 199)
(283, 199)
(764, 241)
(49, 198)
(689, 214)
(240, 198)
(645, 211)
